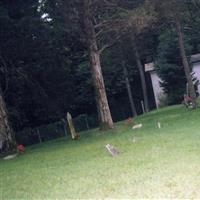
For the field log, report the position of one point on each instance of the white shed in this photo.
(157, 89)
(195, 61)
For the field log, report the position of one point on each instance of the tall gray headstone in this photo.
(71, 126)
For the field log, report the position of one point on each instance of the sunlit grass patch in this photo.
(161, 163)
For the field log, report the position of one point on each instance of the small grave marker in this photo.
(135, 139)
(159, 125)
(137, 126)
(113, 151)
(9, 157)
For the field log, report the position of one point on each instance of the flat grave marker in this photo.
(112, 150)
(137, 126)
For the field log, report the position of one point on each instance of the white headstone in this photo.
(137, 126)
(159, 125)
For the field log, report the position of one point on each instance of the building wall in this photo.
(196, 69)
(158, 91)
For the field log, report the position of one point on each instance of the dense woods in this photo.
(87, 57)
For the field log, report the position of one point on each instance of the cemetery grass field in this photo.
(153, 163)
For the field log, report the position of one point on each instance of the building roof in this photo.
(149, 67)
(195, 58)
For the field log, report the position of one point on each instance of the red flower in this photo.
(20, 148)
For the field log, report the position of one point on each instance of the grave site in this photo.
(148, 162)
(99, 99)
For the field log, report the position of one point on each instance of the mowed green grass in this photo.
(162, 163)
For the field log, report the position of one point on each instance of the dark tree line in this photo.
(88, 57)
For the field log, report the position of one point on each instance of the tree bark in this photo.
(104, 114)
(186, 66)
(128, 87)
(6, 139)
(142, 77)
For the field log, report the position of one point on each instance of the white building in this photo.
(195, 60)
(157, 89)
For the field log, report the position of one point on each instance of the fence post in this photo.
(39, 136)
(86, 121)
(143, 110)
(65, 126)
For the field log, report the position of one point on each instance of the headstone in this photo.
(159, 125)
(113, 151)
(9, 157)
(135, 139)
(137, 126)
(71, 126)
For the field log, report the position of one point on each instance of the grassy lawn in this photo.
(161, 163)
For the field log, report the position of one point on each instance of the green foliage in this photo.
(37, 60)
(169, 67)
(174, 82)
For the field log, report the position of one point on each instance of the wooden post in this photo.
(71, 126)
(39, 136)
(86, 121)
(143, 110)
(65, 126)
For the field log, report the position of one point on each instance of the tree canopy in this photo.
(50, 49)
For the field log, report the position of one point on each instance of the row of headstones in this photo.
(114, 152)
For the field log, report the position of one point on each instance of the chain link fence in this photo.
(55, 130)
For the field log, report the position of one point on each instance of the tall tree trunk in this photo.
(105, 118)
(186, 66)
(6, 140)
(128, 87)
(142, 77)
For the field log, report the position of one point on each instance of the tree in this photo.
(175, 12)
(169, 66)
(37, 76)
(142, 77)
(137, 20)
(6, 134)
(82, 18)
(101, 98)
(128, 87)
(192, 25)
